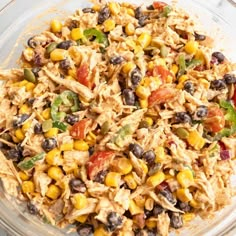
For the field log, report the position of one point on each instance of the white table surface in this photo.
(224, 8)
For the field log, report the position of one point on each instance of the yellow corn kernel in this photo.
(188, 217)
(142, 92)
(156, 179)
(109, 25)
(46, 114)
(82, 218)
(144, 40)
(191, 47)
(127, 67)
(138, 49)
(130, 11)
(15, 139)
(23, 176)
(114, 8)
(25, 109)
(184, 195)
(130, 43)
(169, 79)
(19, 134)
(29, 86)
(134, 209)
(27, 187)
(193, 203)
(28, 54)
(79, 201)
(53, 192)
(123, 165)
(100, 231)
(58, 54)
(67, 146)
(56, 26)
(76, 34)
(150, 65)
(91, 139)
(113, 179)
(140, 200)
(143, 103)
(81, 145)
(151, 222)
(51, 133)
(204, 83)
(22, 83)
(26, 126)
(72, 73)
(182, 79)
(70, 78)
(144, 166)
(55, 173)
(196, 140)
(130, 181)
(149, 120)
(185, 178)
(96, 7)
(160, 154)
(53, 157)
(129, 29)
(174, 69)
(200, 56)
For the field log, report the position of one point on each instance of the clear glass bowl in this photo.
(23, 18)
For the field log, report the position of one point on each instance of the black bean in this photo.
(19, 120)
(129, 97)
(116, 60)
(85, 230)
(113, 220)
(142, 20)
(71, 119)
(91, 151)
(38, 128)
(150, 8)
(48, 144)
(31, 101)
(199, 37)
(88, 10)
(176, 220)
(77, 186)
(35, 71)
(157, 210)
(103, 15)
(218, 84)
(147, 213)
(189, 87)
(229, 79)
(100, 177)
(136, 149)
(138, 12)
(38, 60)
(183, 117)
(32, 43)
(15, 153)
(32, 209)
(136, 76)
(183, 206)
(201, 111)
(149, 157)
(65, 44)
(168, 195)
(65, 64)
(153, 168)
(219, 56)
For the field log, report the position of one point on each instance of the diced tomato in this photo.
(99, 161)
(162, 186)
(160, 95)
(234, 97)
(162, 72)
(82, 75)
(79, 129)
(215, 120)
(159, 5)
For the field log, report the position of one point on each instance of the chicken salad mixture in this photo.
(120, 121)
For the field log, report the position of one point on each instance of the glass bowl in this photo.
(21, 19)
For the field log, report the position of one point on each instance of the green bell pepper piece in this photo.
(99, 36)
(60, 125)
(121, 134)
(193, 63)
(182, 65)
(28, 164)
(166, 10)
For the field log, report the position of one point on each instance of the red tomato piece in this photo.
(234, 97)
(159, 5)
(160, 95)
(99, 161)
(215, 120)
(79, 129)
(82, 75)
(162, 72)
